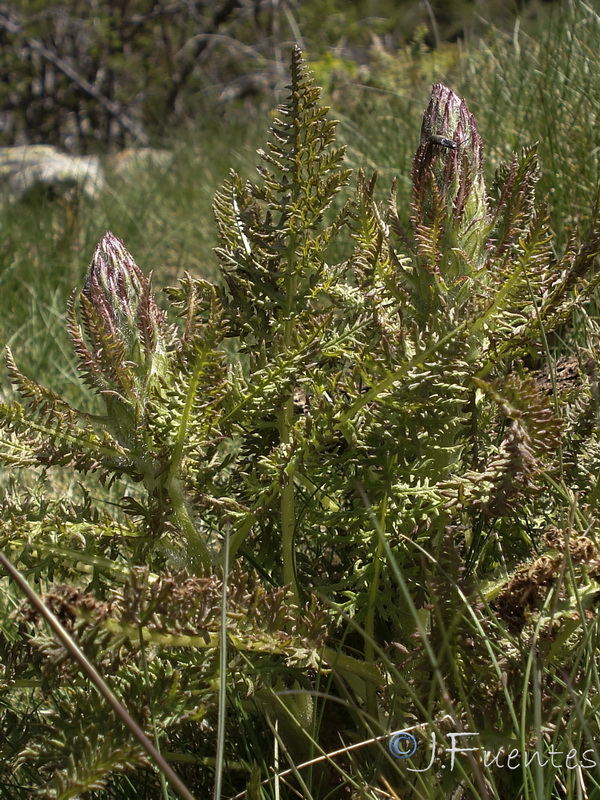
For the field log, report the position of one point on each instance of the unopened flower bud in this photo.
(122, 321)
(448, 183)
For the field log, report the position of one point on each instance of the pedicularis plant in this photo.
(375, 462)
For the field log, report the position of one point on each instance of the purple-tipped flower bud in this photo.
(448, 181)
(123, 324)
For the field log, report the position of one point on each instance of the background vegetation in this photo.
(509, 603)
(84, 76)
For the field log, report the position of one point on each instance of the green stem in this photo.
(286, 420)
(373, 592)
(371, 608)
(288, 512)
(198, 555)
(345, 663)
(177, 455)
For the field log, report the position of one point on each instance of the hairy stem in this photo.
(198, 555)
(197, 551)
(286, 420)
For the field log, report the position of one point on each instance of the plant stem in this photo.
(288, 515)
(198, 555)
(286, 420)
(372, 607)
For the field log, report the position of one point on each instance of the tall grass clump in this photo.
(354, 500)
